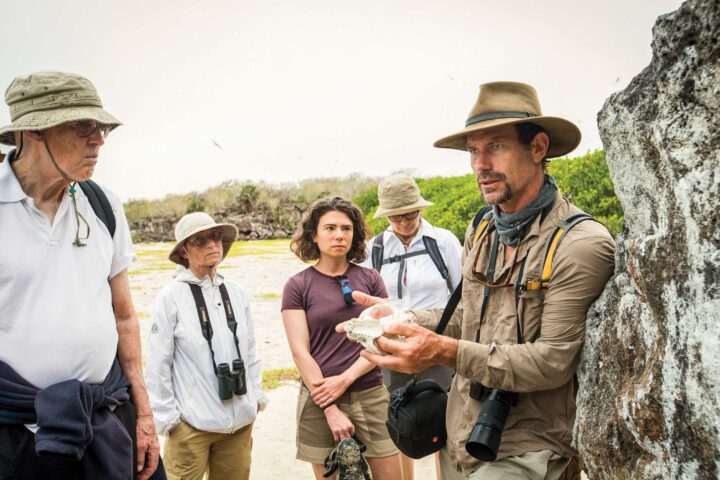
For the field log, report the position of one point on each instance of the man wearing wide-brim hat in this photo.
(515, 338)
(70, 359)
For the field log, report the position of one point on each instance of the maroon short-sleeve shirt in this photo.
(319, 295)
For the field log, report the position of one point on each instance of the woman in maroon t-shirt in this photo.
(341, 394)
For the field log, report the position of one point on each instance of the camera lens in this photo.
(484, 439)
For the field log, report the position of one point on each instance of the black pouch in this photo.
(416, 418)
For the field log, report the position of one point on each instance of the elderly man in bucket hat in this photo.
(70, 362)
(515, 338)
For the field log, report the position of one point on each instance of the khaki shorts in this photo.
(366, 409)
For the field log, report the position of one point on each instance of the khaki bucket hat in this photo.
(47, 99)
(197, 222)
(399, 194)
(509, 103)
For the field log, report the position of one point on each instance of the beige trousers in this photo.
(190, 452)
(542, 465)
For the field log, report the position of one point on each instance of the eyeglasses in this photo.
(202, 240)
(345, 288)
(504, 279)
(406, 216)
(86, 128)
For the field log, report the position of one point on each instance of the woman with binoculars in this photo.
(202, 375)
(341, 395)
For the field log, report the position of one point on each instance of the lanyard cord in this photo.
(78, 242)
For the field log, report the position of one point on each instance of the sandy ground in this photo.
(262, 270)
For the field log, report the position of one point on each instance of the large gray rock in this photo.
(649, 402)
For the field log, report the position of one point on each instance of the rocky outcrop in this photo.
(649, 401)
(258, 225)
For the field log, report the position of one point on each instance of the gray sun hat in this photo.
(510, 103)
(196, 222)
(399, 194)
(47, 99)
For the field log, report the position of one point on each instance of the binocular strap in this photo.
(204, 318)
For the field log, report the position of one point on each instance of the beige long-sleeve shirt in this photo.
(541, 369)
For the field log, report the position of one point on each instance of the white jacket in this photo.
(179, 373)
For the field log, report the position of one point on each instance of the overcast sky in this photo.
(298, 89)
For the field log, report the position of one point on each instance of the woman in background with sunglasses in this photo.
(341, 394)
(202, 374)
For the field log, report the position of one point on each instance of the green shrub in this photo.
(197, 204)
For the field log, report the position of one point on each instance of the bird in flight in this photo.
(216, 144)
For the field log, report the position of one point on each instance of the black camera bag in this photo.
(416, 418)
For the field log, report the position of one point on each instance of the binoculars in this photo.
(231, 382)
(484, 439)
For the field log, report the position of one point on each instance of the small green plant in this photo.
(272, 379)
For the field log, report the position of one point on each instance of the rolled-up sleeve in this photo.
(581, 269)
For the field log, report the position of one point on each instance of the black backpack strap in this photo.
(449, 309)
(401, 268)
(230, 316)
(432, 249)
(99, 203)
(204, 318)
(376, 254)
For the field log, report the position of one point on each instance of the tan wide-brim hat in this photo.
(47, 99)
(197, 222)
(510, 103)
(399, 194)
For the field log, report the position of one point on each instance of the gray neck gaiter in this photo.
(512, 227)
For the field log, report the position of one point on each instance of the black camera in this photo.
(231, 382)
(484, 439)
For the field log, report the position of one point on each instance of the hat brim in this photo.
(564, 135)
(386, 212)
(42, 119)
(230, 234)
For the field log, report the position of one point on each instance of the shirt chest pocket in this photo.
(530, 309)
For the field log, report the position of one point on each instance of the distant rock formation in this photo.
(649, 401)
(251, 226)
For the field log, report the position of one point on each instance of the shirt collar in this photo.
(187, 276)
(10, 189)
(426, 230)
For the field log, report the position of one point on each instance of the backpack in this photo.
(99, 203)
(431, 248)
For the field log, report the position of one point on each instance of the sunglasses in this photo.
(485, 278)
(86, 128)
(202, 240)
(406, 216)
(345, 288)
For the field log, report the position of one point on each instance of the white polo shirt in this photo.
(422, 285)
(56, 316)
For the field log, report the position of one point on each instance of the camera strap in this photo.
(204, 318)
